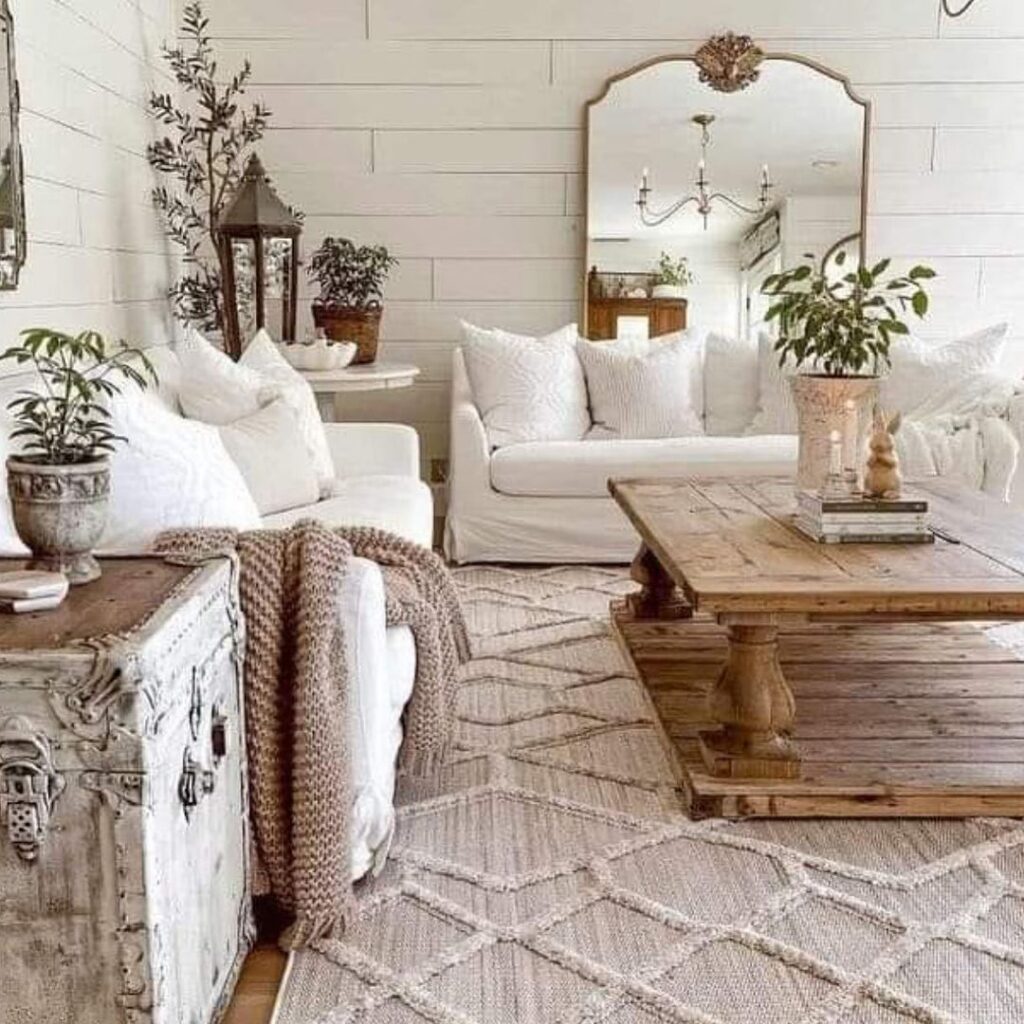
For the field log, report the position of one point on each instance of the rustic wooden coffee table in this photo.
(900, 704)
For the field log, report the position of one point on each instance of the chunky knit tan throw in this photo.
(296, 694)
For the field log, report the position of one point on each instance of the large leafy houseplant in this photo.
(351, 279)
(842, 324)
(211, 133)
(60, 482)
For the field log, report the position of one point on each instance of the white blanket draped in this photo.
(969, 433)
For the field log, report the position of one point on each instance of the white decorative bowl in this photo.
(320, 354)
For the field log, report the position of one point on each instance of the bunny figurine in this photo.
(882, 478)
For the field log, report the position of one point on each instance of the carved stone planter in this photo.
(60, 512)
(821, 408)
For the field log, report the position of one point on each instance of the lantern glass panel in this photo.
(277, 265)
(243, 256)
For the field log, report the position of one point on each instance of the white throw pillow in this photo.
(730, 384)
(263, 358)
(213, 387)
(776, 410)
(923, 370)
(645, 389)
(527, 389)
(269, 451)
(172, 472)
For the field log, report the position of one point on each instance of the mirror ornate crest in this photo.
(12, 175)
(706, 173)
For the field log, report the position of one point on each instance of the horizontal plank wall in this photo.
(96, 253)
(451, 130)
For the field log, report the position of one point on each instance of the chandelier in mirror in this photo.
(704, 197)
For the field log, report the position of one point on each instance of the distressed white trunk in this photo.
(126, 905)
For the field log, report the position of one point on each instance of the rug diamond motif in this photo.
(548, 875)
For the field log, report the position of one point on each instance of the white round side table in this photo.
(330, 386)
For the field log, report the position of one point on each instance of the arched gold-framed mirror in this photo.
(734, 160)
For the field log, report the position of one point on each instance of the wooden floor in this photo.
(892, 720)
(253, 1001)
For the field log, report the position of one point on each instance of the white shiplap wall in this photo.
(451, 131)
(96, 253)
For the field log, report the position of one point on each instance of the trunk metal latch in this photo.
(29, 785)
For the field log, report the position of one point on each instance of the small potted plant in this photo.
(836, 329)
(60, 481)
(672, 277)
(351, 281)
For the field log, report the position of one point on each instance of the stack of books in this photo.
(31, 591)
(856, 520)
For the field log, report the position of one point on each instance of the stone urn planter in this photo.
(60, 512)
(821, 405)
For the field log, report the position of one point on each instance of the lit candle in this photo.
(643, 178)
(850, 434)
(835, 460)
(765, 180)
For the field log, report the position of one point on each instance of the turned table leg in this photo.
(658, 597)
(754, 706)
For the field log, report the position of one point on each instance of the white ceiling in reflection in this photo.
(798, 120)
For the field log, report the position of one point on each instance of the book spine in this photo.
(870, 519)
(864, 536)
(896, 506)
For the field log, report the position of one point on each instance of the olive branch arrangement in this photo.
(205, 151)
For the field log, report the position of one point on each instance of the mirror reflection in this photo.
(695, 196)
(12, 227)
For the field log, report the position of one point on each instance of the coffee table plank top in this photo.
(731, 546)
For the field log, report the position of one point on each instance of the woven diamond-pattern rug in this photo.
(548, 874)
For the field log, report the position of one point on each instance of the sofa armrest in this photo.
(373, 449)
(470, 467)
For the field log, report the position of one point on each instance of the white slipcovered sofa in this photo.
(547, 501)
(376, 483)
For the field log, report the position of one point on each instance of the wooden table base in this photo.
(892, 720)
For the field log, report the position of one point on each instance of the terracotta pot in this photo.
(59, 513)
(347, 323)
(821, 408)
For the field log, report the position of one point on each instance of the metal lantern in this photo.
(259, 238)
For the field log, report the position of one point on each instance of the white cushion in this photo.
(582, 469)
(212, 387)
(776, 410)
(645, 389)
(172, 472)
(263, 357)
(527, 389)
(922, 370)
(730, 384)
(401, 504)
(269, 450)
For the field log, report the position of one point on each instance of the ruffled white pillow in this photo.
(645, 388)
(527, 389)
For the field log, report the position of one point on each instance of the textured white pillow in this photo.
(730, 384)
(645, 389)
(776, 410)
(263, 358)
(269, 451)
(921, 370)
(527, 389)
(213, 387)
(172, 472)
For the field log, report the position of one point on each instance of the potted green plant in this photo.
(60, 481)
(351, 280)
(836, 329)
(672, 277)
